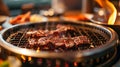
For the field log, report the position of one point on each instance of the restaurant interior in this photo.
(59, 33)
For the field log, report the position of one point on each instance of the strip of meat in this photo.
(36, 33)
(59, 38)
(60, 29)
(81, 40)
(58, 42)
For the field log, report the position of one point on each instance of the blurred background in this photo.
(17, 6)
(23, 11)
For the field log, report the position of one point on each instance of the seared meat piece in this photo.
(59, 38)
(69, 42)
(36, 33)
(81, 40)
(32, 41)
(64, 27)
(60, 29)
(58, 42)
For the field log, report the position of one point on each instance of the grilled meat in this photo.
(59, 38)
(36, 33)
(60, 29)
(58, 42)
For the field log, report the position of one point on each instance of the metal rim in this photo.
(72, 54)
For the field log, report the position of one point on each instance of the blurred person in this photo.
(4, 9)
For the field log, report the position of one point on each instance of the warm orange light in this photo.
(23, 57)
(75, 64)
(111, 8)
(38, 49)
(29, 58)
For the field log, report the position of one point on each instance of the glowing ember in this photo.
(23, 57)
(111, 8)
(29, 58)
(38, 49)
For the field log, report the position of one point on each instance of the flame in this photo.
(38, 49)
(75, 64)
(29, 58)
(26, 58)
(111, 8)
(23, 57)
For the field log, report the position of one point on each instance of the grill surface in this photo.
(97, 36)
(102, 49)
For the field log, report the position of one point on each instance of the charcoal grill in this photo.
(102, 49)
